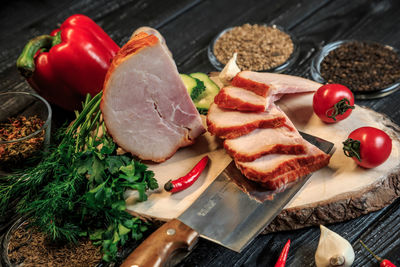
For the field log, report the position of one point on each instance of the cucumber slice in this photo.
(207, 97)
(194, 86)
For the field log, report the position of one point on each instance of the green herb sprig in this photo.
(78, 188)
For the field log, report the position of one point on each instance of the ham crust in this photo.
(236, 98)
(258, 88)
(231, 124)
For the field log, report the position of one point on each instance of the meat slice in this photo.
(274, 169)
(262, 142)
(265, 83)
(145, 105)
(284, 179)
(226, 123)
(240, 99)
(231, 97)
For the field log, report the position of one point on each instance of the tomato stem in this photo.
(339, 108)
(351, 148)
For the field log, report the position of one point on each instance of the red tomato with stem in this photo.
(333, 102)
(368, 146)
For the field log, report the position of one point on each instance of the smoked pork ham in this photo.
(262, 142)
(266, 84)
(226, 123)
(275, 170)
(145, 105)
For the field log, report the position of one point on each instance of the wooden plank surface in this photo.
(188, 27)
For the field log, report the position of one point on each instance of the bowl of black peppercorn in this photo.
(369, 69)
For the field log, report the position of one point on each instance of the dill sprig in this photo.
(78, 188)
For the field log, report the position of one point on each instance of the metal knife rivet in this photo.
(171, 231)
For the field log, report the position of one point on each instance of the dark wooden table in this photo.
(188, 27)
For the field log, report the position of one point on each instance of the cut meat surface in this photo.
(145, 105)
(226, 123)
(265, 84)
(275, 169)
(262, 142)
(231, 97)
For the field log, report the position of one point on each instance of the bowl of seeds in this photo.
(25, 120)
(369, 69)
(260, 47)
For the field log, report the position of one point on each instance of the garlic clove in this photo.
(230, 70)
(333, 250)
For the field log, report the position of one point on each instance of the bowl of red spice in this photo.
(369, 69)
(259, 47)
(25, 120)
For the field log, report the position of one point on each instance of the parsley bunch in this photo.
(78, 188)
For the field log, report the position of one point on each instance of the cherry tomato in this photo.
(333, 102)
(368, 146)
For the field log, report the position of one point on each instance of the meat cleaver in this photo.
(223, 213)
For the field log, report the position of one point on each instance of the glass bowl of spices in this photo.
(369, 69)
(25, 120)
(260, 47)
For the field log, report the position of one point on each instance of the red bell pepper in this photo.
(69, 63)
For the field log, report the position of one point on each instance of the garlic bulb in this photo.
(230, 70)
(333, 250)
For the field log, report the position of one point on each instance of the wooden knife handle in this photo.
(160, 245)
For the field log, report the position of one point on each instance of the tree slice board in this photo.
(341, 191)
(338, 192)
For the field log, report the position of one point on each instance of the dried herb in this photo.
(29, 247)
(17, 128)
(78, 189)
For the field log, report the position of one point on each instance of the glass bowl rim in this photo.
(327, 48)
(278, 69)
(44, 126)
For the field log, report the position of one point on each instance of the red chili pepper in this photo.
(382, 262)
(69, 63)
(283, 257)
(185, 181)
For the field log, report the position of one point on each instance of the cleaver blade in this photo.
(223, 214)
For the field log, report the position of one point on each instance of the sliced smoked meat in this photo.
(262, 142)
(271, 169)
(226, 123)
(232, 97)
(265, 83)
(145, 105)
(282, 180)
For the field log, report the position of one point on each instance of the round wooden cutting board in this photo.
(338, 192)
